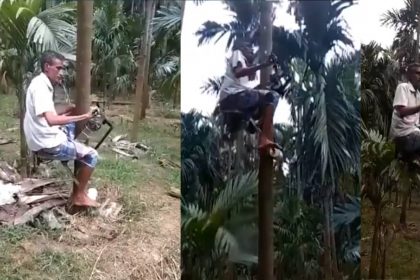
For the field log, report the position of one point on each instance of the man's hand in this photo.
(272, 59)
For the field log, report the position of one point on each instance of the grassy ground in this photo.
(403, 258)
(143, 243)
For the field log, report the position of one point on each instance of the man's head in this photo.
(52, 66)
(245, 47)
(413, 74)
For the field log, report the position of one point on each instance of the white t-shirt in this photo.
(405, 95)
(39, 99)
(231, 84)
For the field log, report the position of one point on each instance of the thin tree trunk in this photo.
(375, 254)
(146, 92)
(327, 238)
(403, 215)
(24, 162)
(83, 60)
(141, 75)
(265, 176)
(417, 48)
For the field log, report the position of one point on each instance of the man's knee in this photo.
(91, 158)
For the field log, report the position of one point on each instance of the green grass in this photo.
(129, 177)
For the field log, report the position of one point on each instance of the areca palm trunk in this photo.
(265, 176)
(141, 73)
(83, 59)
(146, 97)
(24, 162)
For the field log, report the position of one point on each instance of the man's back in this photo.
(39, 99)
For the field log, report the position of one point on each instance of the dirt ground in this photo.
(142, 242)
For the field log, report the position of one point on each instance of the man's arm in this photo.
(401, 101)
(65, 109)
(241, 71)
(406, 111)
(53, 119)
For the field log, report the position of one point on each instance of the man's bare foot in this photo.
(269, 147)
(84, 201)
(266, 144)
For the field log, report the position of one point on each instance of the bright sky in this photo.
(200, 63)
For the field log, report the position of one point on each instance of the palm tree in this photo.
(27, 30)
(114, 61)
(214, 209)
(324, 101)
(379, 80)
(406, 22)
(142, 71)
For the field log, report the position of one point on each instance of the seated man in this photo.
(239, 92)
(405, 117)
(43, 133)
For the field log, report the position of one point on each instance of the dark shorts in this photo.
(408, 145)
(249, 102)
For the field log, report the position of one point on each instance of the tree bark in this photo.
(83, 62)
(327, 237)
(141, 74)
(403, 215)
(24, 162)
(146, 96)
(375, 254)
(265, 176)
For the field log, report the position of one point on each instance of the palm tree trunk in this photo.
(417, 48)
(146, 96)
(83, 59)
(141, 75)
(403, 215)
(327, 237)
(375, 253)
(24, 162)
(265, 176)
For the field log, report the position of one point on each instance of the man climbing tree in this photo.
(241, 95)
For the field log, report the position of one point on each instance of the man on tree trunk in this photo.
(51, 134)
(243, 100)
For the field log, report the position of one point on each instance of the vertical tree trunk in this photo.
(24, 162)
(265, 176)
(327, 237)
(146, 97)
(141, 74)
(83, 59)
(417, 48)
(403, 215)
(375, 254)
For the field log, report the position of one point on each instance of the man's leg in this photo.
(268, 106)
(88, 158)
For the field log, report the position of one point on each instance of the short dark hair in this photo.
(411, 67)
(48, 57)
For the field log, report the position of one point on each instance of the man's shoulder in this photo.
(37, 82)
(405, 86)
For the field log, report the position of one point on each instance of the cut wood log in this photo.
(123, 153)
(6, 141)
(33, 212)
(174, 192)
(166, 162)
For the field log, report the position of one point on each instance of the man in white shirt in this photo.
(405, 117)
(43, 126)
(239, 92)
